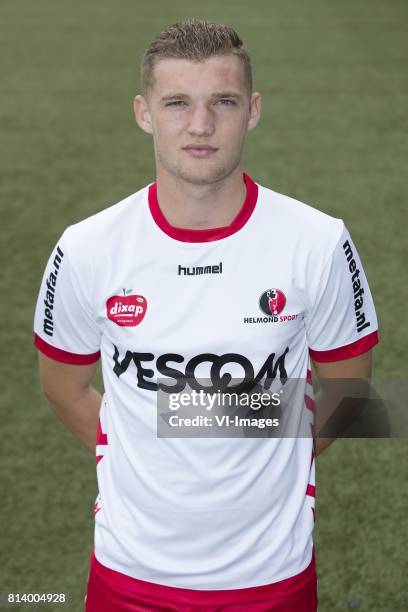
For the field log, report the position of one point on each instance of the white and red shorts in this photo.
(111, 591)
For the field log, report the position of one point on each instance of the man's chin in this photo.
(207, 176)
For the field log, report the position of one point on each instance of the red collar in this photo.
(205, 235)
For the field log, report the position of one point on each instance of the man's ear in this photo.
(254, 110)
(142, 114)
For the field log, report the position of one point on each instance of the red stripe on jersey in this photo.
(101, 438)
(64, 356)
(310, 405)
(309, 376)
(311, 490)
(347, 351)
(109, 590)
(205, 235)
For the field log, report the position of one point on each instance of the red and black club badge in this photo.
(272, 302)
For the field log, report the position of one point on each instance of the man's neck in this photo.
(200, 206)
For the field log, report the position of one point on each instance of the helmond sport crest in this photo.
(126, 310)
(272, 302)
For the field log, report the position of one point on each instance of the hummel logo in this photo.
(198, 270)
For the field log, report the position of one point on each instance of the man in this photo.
(203, 273)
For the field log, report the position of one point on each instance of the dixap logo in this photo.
(126, 310)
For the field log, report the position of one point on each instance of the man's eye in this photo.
(226, 102)
(175, 103)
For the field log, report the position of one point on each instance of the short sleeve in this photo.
(341, 322)
(65, 328)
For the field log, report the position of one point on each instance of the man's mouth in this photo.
(200, 150)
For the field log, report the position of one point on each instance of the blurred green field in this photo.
(333, 134)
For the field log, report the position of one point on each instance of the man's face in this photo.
(198, 113)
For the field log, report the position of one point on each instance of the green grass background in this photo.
(333, 133)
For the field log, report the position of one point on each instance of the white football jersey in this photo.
(282, 283)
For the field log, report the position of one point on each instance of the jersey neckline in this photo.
(205, 235)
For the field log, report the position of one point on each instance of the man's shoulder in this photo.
(286, 207)
(298, 219)
(111, 221)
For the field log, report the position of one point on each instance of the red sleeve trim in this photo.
(347, 351)
(64, 356)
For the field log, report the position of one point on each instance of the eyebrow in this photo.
(227, 94)
(172, 96)
(215, 96)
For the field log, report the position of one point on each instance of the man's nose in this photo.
(201, 121)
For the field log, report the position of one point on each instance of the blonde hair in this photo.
(195, 40)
